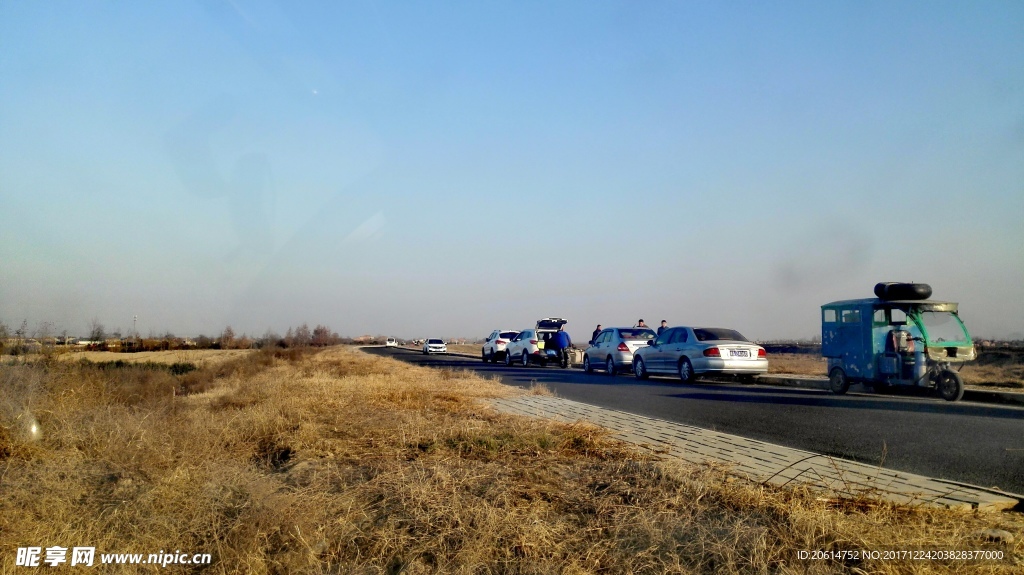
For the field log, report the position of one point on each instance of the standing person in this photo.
(561, 342)
(640, 323)
(664, 326)
(597, 332)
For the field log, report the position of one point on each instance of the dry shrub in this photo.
(797, 364)
(391, 468)
(996, 369)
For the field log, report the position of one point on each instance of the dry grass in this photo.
(343, 462)
(797, 364)
(470, 349)
(199, 357)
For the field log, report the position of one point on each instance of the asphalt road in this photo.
(973, 443)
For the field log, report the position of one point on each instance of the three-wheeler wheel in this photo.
(837, 381)
(950, 385)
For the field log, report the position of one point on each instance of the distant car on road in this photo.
(690, 352)
(612, 350)
(529, 346)
(434, 345)
(494, 347)
(391, 342)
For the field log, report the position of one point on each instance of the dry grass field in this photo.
(199, 357)
(342, 462)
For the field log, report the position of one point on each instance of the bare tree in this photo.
(96, 331)
(322, 336)
(227, 338)
(269, 338)
(303, 336)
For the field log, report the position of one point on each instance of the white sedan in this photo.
(689, 352)
(434, 345)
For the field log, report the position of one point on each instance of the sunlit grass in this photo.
(345, 462)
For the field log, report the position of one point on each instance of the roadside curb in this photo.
(820, 383)
(970, 394)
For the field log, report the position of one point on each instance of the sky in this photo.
(443, 169)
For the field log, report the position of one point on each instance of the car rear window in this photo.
(717, 333)
(508, 334)
(642, 334)
(435, 341)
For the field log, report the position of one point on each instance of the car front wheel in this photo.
(685, 371)
(639, 369)
(586, 364)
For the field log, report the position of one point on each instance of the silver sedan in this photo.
(689, 352)
(612, 350)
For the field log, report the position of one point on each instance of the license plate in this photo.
(739, 353)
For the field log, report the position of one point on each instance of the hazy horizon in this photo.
(444, 170)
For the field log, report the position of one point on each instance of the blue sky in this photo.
(443, 169)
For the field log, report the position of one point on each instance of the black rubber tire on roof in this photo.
(950, 385)
(837, 381)
(899, 290)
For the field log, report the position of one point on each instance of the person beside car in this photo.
(664, 326)
(597, 332)
(640, 323)
(560, 342)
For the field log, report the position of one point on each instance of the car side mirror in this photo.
(650, 342)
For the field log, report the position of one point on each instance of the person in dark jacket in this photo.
(561, 342)
(664, 326)
(597, 332)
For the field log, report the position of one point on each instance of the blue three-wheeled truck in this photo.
(900, 338)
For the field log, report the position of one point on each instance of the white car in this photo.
(434, 345)
(494, 347)
(529, 346)
(391, 342)
(690, 352)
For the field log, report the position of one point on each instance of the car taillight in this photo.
(501, 342)
(761, 353)
(712, 352)
(533, 342)
(622, 347)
